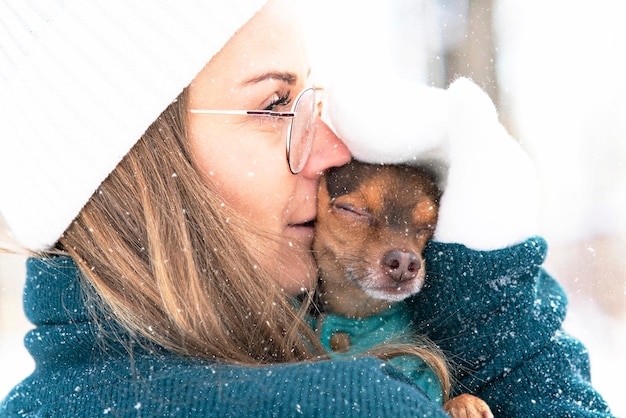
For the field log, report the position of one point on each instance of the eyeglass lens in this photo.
(302, 131)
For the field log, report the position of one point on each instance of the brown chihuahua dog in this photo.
(373, 223)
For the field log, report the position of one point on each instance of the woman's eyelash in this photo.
(279, 101)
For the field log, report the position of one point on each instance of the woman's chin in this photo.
(288, 258)
(305, 279)
(300, 235)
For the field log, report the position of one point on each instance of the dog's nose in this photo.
(401, 265)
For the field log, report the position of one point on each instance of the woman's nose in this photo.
(327, 151)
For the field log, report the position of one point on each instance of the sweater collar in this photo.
(52, 293)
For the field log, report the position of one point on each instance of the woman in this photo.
(172, 290)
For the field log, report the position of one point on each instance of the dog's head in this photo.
(372, 225)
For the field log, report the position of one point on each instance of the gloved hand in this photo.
(490, 190)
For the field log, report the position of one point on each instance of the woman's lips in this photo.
(303, 231)
(307, 224)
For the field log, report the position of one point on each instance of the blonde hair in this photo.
(172, 263)
(162, 254)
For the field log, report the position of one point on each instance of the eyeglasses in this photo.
(300, 131)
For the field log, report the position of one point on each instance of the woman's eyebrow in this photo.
(285, 77)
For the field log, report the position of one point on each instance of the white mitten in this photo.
(391, 122)
(490, 197)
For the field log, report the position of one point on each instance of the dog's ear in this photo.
(346, 179)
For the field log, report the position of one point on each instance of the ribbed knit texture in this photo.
(495, 313)
(80, 373)
(392, 325)
(80, 82)
(498, 314)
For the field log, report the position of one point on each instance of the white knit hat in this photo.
(80, 82)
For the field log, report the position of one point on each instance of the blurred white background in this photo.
(556, 70)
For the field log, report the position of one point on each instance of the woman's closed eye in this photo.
(279, 102)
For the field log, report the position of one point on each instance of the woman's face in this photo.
(263, 67)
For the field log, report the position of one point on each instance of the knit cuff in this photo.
(488, 309)
(460, 278)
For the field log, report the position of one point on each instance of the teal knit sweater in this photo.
(497, 314)
(392, 325)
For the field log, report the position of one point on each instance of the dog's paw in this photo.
(467, 406)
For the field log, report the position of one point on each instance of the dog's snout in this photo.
(401, 265)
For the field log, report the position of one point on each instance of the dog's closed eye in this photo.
(357, 213)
